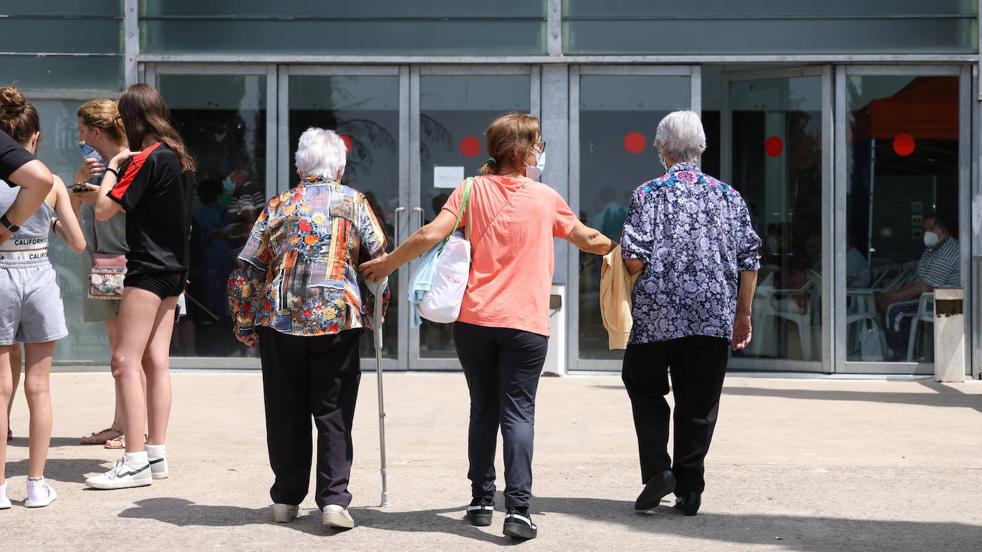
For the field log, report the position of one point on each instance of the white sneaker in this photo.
(158, 468)
(39, 494)
(337, 516)
(285, 513)
(121, 476)
(4, 501)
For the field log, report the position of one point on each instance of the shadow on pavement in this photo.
(944, 396)
(800, 533)
(55, 442)
(72, 470)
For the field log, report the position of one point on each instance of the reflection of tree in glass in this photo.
(366, 137)
(432, 132)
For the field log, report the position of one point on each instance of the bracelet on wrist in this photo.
(114, 171)
(7, 224)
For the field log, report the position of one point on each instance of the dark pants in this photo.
(502, 367)
(698, 365)
(304, 377)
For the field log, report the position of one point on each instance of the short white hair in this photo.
(680, 137)
(320, 152)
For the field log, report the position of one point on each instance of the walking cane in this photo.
(378, 289)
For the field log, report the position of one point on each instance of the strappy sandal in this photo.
(100, 437)
(120, 442)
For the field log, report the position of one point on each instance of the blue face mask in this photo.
(228, 185)
(535, 173)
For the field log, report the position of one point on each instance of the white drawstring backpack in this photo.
(438, 288)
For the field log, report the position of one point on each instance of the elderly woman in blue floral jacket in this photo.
(691, 238)
(295, 294)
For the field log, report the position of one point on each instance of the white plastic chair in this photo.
(861, 306)
(925, 314)
(800, 317)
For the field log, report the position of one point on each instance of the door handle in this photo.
(397, 239)
(419, 210)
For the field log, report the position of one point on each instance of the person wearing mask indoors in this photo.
(939, 267)
(247, 201)
(31, 310)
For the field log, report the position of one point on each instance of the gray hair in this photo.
(680, 137)
(320, 152)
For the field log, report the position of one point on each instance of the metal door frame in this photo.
(965, 142)
(826, 363)
(400, 213)
(694, 72)
(415, 361)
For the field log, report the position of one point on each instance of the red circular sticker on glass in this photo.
(773, 146)
(904, 145)
(470, 146)
(634, 142)
(347, 141)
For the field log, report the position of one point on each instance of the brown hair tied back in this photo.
(144, 114)
(508, 134)
(18, 118)
(103, 115)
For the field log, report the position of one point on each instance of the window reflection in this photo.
(901, 207)
(222, 118)
(618, 118)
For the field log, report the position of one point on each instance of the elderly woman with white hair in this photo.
(295, 294)
(690, 237)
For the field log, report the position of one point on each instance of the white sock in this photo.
(36, 487)
(155, 452)
(136, 459)
(3, 489)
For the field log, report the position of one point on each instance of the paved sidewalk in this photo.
(803, 464)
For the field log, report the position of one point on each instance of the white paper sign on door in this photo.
(447, 177)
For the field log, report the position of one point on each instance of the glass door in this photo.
(904, 195)
(452, 107)
(614, 112)
(368, 108)
(776, 151)
(225, 115)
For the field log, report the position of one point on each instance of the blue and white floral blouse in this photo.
(695, 236)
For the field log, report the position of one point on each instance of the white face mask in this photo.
(535, 172)
(228, 185)
(931, 239)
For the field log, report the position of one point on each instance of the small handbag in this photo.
(107, 273)
(449, 270)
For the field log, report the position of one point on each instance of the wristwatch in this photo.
(7, 224)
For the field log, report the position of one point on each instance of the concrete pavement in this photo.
(796, 464)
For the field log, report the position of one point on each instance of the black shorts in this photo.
(163, 285)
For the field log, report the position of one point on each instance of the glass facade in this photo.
(392, 27)
(903, 170)
(40, 46)
(846, 126)
(618, 116)
(767, 27)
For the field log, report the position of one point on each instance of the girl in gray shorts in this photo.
(31, 310)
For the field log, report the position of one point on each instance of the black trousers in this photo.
(698, 365)
(304, 377)
(502, 367)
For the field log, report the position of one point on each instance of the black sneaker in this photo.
(518, 524)
(480, 511)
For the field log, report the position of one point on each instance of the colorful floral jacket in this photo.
(298, 272)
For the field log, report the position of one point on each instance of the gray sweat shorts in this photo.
(31, 310)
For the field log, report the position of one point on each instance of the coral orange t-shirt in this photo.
(513, 223)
